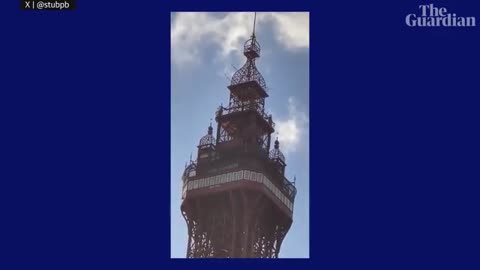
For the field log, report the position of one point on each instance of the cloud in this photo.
(226, 32)
(293, 130)
(292, 29)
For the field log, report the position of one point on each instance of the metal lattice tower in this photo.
(237, 201)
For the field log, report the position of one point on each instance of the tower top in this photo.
(251, 48)
(249, 72)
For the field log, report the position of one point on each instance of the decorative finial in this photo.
(191, 157)
(277, 144)
(294, 179)
(210, 128)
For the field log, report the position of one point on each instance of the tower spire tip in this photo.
(254, 22)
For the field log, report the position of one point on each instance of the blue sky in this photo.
(205, 49)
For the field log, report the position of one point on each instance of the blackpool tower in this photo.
(236, 200)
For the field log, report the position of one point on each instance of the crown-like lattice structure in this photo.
(249, 72)
(208, 139)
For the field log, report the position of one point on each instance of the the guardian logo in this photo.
(431, 16)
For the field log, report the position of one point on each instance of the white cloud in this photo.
(293, 130)
(190, 31)
(292, 29)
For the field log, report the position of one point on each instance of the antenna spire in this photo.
(249, 72)
(254, 22)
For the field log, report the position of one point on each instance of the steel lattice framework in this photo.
(237, 202)
(249, 72)
(244, 225)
